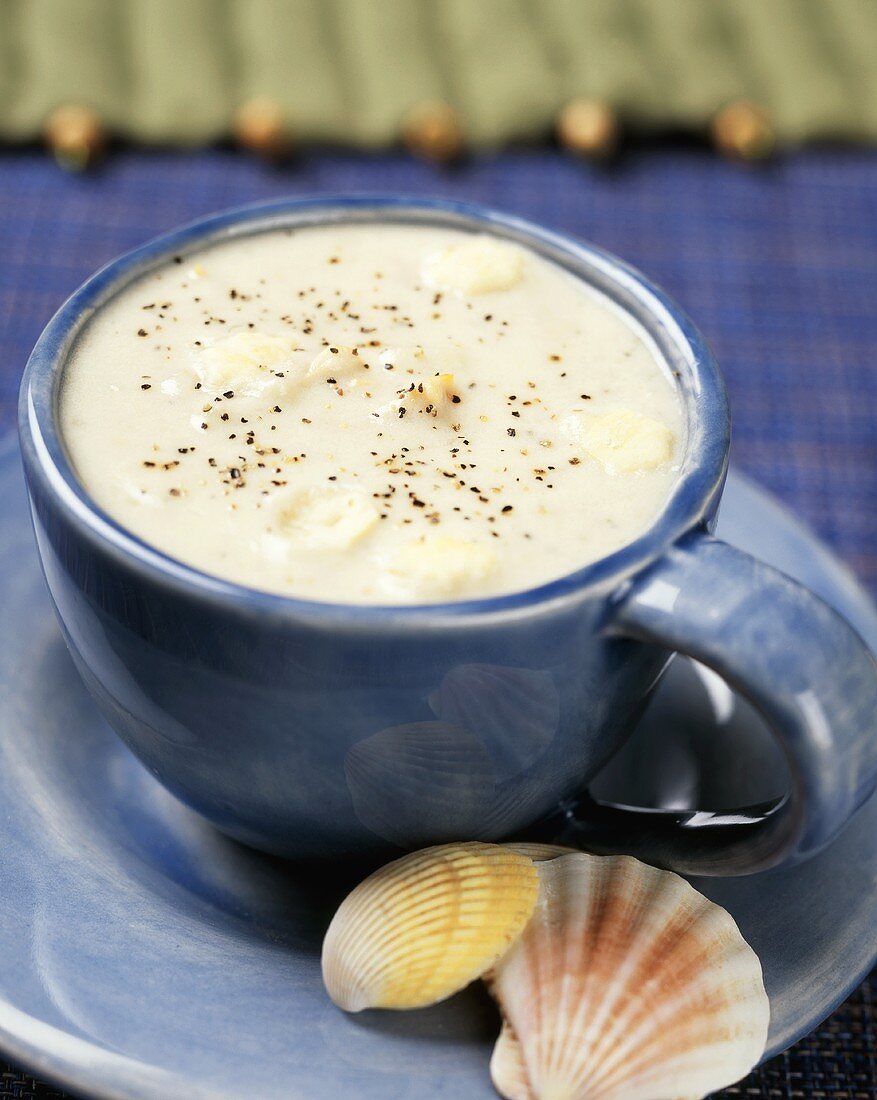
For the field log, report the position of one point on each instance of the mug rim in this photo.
(700, 387)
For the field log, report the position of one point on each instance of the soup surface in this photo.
(372, 414)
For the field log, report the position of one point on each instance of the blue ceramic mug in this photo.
(312, 729)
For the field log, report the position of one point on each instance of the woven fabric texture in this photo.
(348, 70)
(777, 265)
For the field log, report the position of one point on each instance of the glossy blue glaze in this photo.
(312, 729)
(146, 956)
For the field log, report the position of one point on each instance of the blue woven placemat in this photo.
(778, 266)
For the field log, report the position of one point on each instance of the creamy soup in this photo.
(372, 414)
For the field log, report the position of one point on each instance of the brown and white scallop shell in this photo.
(627, 984)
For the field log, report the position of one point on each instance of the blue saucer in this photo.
(144, 955)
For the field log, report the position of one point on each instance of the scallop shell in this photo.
(515, 711)
(431, 781)
(423, 927)
(539, 852)
(626, 984)
(507, 1069)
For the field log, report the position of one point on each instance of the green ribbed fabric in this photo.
(347, 70)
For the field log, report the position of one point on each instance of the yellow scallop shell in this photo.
(423, 927)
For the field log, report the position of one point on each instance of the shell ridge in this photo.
(663, 1023)
(634, 887)
(434, 894)
(538, 963)
(692, 980)
(523, 957)
(445, 917)
(531, 962)
(507, 1069)
(626, 984)
(545, 1061)
(595, 1011)
(643, 959)
(556, 979)
(593, 906)
(406, 868)
(371, 916)
(693, 1047)
(538, 852)
(698, 1010)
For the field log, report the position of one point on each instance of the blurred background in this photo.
(726, 147)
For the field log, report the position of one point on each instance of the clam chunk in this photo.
(478, 265)
(431, 395)
(323, 519)
(337, 362)
(247, 363)
(623, 441)
(438, 565)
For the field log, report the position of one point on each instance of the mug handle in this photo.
(802, 667)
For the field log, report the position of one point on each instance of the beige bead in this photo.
(743, 129)
(432, 130)
(75, 135)
(588, 127)
(259, 125)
